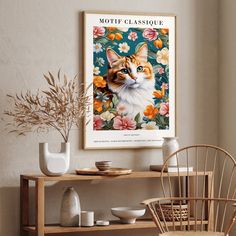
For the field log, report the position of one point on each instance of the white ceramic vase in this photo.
(70, 208)
(169, 146)
(54, 164)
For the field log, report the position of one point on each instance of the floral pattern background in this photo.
(108, 113)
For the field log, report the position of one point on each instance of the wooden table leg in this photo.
(24, 205)
(39, 207)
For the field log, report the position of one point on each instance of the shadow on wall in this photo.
(9, 210)
(197, 120)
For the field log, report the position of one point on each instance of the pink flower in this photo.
(98, 31)
(165, 85)
(121, 109)
(124, 123)
(97, 122)
(164, 109)
(150, 34)
(132, 36)
(160, 70)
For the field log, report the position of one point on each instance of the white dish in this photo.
(102, 222)
(128, 215)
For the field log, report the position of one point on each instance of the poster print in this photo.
(130, 60)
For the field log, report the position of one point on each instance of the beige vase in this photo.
(70, 208)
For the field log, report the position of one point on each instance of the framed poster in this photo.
(130, 60)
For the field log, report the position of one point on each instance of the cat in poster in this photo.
(131, 78)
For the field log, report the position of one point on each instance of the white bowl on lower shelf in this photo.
(128, 215)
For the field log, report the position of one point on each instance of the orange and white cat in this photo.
(131, 78)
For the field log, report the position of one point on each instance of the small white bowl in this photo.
(128, 215)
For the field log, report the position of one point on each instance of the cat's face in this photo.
(130, 71)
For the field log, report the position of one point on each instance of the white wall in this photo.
(41, 35)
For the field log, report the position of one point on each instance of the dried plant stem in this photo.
(60, 107)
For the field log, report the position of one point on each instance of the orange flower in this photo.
(97, 105)
(158, 94)
(150, 112)
(118, 36)
(99, 82)
(158, 43)
(107, 103)
(164, 31)
(111, 28)
(111, 36)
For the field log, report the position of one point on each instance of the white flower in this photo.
(124, 47)
(123, 29)
(100, 61)
(163, 56)
(107, 116)
(96, 70)
(97, 47)
(150, 125)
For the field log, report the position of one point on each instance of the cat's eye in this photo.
(139, 69)
(124, 71)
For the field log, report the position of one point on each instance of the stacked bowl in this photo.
(103, 165)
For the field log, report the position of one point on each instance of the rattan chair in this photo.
(198, 198)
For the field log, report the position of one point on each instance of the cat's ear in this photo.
(142, 53)
(112, 56)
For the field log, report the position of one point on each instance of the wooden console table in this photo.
(40, 229)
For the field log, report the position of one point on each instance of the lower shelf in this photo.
(114, 225)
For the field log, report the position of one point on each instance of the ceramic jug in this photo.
(169, 146)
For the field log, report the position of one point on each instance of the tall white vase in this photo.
(169, 146)
(70, 208)
(54, 164)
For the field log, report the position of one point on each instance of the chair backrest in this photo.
(209, 171)
(198, 193)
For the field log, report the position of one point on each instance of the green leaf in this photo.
(152, 54)
(162, 119)
(115, 100)
(102, 40)
(156, 67)
(112, 110)
(139, 29)
(167, 71)
(137, 117)
(139, 125)
(167, 68)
